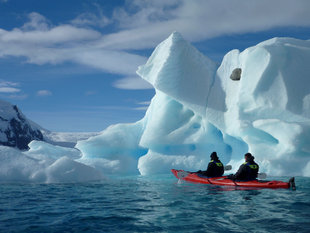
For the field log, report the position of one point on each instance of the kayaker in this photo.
(215, 167)
(247, 171)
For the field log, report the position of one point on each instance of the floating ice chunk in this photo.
(116, 150)
(65, 170)
(15, 166)
(45, 151)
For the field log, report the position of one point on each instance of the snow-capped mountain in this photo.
(15, 129)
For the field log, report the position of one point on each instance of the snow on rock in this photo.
(15, 129)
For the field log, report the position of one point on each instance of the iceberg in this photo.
(116, 150)
(198, 109)
(44, 163)
(257, 101)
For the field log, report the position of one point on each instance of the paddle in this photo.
(292, 183)
(227, 167)
(259, 176)
(262, 176)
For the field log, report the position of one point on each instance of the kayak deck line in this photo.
(224, 181)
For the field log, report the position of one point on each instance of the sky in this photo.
(70, 65)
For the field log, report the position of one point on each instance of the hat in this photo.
(249, 156)
(214, 155)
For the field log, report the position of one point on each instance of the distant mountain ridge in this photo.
(15, 129)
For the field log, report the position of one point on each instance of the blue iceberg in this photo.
(199, 108)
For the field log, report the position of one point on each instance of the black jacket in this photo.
(247, 171)
(215, 169)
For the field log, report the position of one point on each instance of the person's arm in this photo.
(240, 172)
(206, 171)
(222, 169)
(209, 171)
(257, 171)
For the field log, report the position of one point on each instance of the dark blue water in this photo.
(152, 204)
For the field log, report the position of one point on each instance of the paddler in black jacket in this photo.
(215, 167)
(247, 171)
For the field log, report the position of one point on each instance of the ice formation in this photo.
(198, 108)
(44, 163)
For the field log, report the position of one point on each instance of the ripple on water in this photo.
(156, 204)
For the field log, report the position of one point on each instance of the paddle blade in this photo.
(262, 176)
(292, 183)
(227, 167)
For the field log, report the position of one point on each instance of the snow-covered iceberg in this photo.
(44, 163)
(198, 109)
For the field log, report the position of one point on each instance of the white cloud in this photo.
(36, 21)
(55, 36)
(44, 93)
(96, 18)
(132, 83)
(202, 19)
(9, 90)
(4, 83)
(43, 44)
(119, 62)
(144, 105)
(142, 25)
(89, 19)
(140, 13)
(8, 87)
(17, 97)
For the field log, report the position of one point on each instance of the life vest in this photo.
(218, 170)
(217, 163)
(252, 170)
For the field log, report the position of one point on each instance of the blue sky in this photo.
(70, 65)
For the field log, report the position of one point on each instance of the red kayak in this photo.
(223, 181)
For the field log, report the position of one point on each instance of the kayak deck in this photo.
(224, 181)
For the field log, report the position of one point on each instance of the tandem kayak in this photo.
(224, 181)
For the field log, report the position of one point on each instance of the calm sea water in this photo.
(152, 204)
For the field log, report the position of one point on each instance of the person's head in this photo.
(248, 157)
(213, 156)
